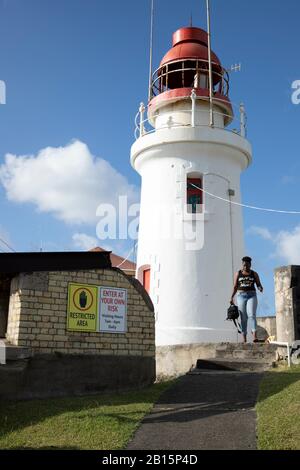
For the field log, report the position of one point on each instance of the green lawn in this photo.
(97, 422)
(278, 410)
(108, 421)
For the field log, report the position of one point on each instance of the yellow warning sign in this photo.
(82, 307)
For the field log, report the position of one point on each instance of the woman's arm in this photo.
(235, 287)
(257, 281)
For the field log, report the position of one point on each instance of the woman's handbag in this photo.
(233, 314)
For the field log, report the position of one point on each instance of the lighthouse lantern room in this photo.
(187, 153)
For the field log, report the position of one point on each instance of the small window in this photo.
(194, 195)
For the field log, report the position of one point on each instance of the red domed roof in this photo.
(185, 68)
(189, 43)
(190, 34)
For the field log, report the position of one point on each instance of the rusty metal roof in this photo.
(117, 260)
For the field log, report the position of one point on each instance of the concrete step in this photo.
(15, 353)
(245, 346)
(245, 365)
(12, 378)
(246, 351)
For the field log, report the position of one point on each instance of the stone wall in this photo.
(268, 324)
(287, 301)
(67, 362)
(38, 315)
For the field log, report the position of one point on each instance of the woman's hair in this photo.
(247, 259)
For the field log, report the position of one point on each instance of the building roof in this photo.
(13, 263)
(117, 261)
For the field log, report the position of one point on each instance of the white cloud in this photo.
(68, 182)
(288, 245)
(84, 242)
(263, 232)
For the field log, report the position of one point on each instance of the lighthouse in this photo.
(190, 151)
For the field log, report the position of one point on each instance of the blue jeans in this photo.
(247, 305)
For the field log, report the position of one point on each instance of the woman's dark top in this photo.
(246, 283)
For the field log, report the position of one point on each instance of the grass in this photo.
(278, 410)
(102, 422)
(108, 421)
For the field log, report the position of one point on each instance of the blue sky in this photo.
(76, 71)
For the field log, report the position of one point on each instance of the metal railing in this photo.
(189, 76)
(143, 126)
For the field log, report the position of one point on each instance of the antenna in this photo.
(191, 21)
(235, 68)
(209, 65)
(151, 51)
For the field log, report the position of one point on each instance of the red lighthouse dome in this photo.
(186, 67)
(191, 44)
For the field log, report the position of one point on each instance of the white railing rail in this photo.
(238, 125)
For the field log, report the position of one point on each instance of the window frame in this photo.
(197, 180)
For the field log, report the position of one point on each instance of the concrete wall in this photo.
(287, 301)
(68, 375)
(173, 361)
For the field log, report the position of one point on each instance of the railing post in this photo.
(141, 111)
(243, 120)
(193, 98)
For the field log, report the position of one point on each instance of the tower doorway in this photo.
(146, 279)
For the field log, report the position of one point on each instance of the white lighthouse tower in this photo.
(190, 242)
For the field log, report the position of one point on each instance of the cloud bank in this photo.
(84, 242)
(67, 182)
(286, 243)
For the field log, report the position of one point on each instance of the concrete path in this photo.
(208, 410)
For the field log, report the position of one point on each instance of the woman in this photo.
(244, 286)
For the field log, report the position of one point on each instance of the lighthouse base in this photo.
(174, 361)
(170, 336)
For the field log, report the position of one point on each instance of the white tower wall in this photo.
(191, 283)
